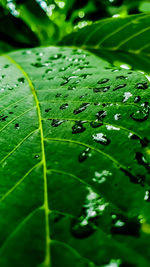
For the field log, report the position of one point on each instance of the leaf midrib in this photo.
(47, 260)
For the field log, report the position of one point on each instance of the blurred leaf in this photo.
(74, 161)
(117, 39)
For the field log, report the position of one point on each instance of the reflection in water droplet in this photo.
(36, 156)
(64, 106)
(85, 224)
(142, 86)
(78, 127)
(125, 226)
(119, 87)
(56, 123)
(85, 154)
(101, 138)
(96, 124)
(100, 177)
(81, 108)
(126, 96)
(17, 126)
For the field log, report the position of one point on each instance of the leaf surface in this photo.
(117, 39)
(74, 174)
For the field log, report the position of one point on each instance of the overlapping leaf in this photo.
(117, 39)
(74, 174)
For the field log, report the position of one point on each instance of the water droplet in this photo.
(138, 179)
(144, 141)
(58, 95)
(140, 115)
(6, 66)
(36, 156)
(37, 65)
(103, 81)
(64, 106)
(137, 99)
(142, 86)
(101, 138)
(101, 114)
(142, 160)
(102, 89)
(85, 154)
(96, 124)
(21, 80)
(56, 123)
(78, 127)
(48, 71)
(85, 224)
(47, 110)
(147, 196)
(71, 87)
(57, 56)
(17, 126)
(117, 117)
(119, 87)
(81, 108)
(121, 77)
(125, 226)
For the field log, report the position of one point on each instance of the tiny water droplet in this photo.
(56, 123)
(17, 126)
(56, 56)
(48, 109)
(121, 77)
(64, 106)
(58, 95)
(3, 117)
(137, 99)
(147, 196)
(102, 89)
(103, 81)
(101, 114)
(21, 80)
(71, 87)
(81, 108)
(96, 124)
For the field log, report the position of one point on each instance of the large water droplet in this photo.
(81, 108)
(64, 106)
(85, 154)
(142, 86)
(101, 138)
(85, 224)
(78, 127)
(56, 123)
(125, 226)
(119, 87)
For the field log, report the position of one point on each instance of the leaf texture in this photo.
(75, 161)
(117, 39)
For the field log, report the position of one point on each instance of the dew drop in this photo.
(81, 108)
(54, 57)
(142, 86)
(56, 123)
(21, 80)
(121, 77)
(119, 87)
(103, 81)
(64, 106)
(101, 114)
(17, 126)
(78, 127)
(84, 155)
(137, 99)
(125, 226)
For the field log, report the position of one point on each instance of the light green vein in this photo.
(17, 146)
(47, 260)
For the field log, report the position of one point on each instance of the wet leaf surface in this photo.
(75, 161)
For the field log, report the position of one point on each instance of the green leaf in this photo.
(74, 161)
(117, 39)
